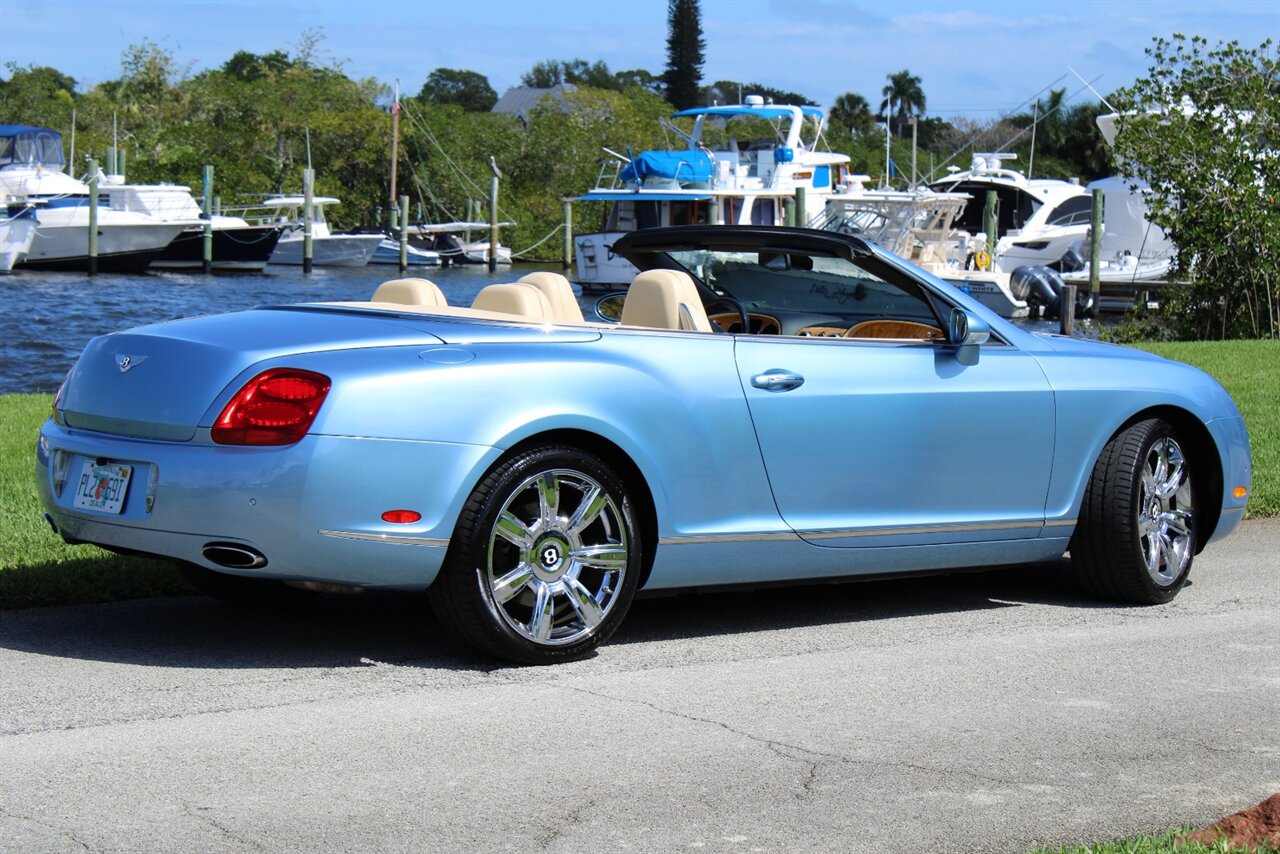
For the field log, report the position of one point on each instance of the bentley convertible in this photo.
(763, 405)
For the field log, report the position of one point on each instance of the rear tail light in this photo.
(276, 407)
(57, 399)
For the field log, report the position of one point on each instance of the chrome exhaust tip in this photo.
(234, 555)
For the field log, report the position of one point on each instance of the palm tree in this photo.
(905, 95)
(853, 111)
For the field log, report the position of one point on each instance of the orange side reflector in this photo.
(1239, 492)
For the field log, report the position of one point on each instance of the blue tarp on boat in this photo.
(683, 166)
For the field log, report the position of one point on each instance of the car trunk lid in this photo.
(160, 381)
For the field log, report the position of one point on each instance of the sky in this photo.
(975, 58)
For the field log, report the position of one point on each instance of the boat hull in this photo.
(339, 250)
(243, 249)
(125, 247)
(16, 234)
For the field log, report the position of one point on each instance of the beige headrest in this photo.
(664, 299)
(409, 292)
(524, 300)
(558, 291)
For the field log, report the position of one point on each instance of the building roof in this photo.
(520, 102)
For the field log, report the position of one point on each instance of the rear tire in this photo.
(1136, 535)
(545, 559)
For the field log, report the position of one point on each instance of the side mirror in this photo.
(609, 306)
(964, 329)
(966, 332)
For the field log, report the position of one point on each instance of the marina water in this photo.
(49, 317)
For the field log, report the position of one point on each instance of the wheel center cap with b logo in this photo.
(550, 558)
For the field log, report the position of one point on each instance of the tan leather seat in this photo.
(409, 292)
(558, 291)
(523, 300)
(664, 299)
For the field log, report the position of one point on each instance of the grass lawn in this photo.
(1162, 844)
(37, 568)
(1250, 371)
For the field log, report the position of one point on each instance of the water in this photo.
(49, 317)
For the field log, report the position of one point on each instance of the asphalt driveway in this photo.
(993, 711)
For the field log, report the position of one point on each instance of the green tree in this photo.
(37, 95)
(685, 48)
(854, 112)
(1203, 130)
(468, 89)
(905, 97)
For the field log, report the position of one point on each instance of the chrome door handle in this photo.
(777, 380)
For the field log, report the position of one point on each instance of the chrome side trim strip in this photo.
(724, 538)
(864, 532)
(385, 538)
(922, 529)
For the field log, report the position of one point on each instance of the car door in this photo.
(881, 443)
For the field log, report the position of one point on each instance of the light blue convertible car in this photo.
(770, 405)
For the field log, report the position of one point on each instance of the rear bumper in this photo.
(313, 509)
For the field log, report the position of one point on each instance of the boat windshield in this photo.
(30, 147)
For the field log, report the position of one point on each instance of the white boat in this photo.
(327, 249)
(237, 245)
(1038, 219)
(31, 169)
(388, 253)
(918, 226)
(17, 230)
(444, 239)
(734, 181)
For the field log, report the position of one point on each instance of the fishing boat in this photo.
(327, 249)
(32, 170)
(388, 253)
(717, 177)
(452, 242)
(1038, 220)
(237, 245)
(920, 226)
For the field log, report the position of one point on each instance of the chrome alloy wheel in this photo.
(557, 555)
(1165, 512)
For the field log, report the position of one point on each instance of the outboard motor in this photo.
(1039, 286)
(1043, 287)
(1071, 261)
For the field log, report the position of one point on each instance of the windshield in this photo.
(766, 280)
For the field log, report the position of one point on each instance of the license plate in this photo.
(102, 487)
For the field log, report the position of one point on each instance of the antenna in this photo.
(308, 134)
(1093, 90)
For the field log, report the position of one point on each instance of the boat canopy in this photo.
(23, 145)
(686, 166)
(635, 196)
(767, 111)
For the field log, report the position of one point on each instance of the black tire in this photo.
(1136, 535)
(556, 578)
(241, 590)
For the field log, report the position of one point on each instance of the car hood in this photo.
(159, 381)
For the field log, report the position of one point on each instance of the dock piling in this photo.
(1095, 244)
(206, 214)
(308, 180)
(568, 235)
(1067, 310)
(404, 234)
(93, 217)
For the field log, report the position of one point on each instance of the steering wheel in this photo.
(737, 306)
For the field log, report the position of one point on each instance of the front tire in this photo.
(545, 559)
(1136, 536)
